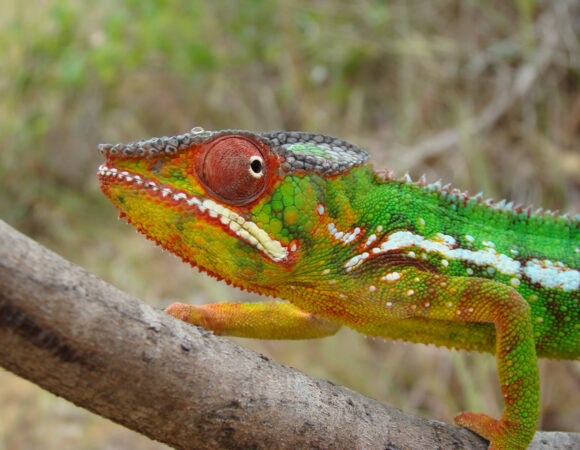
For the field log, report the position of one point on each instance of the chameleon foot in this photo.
(499, 433)
(187, 313)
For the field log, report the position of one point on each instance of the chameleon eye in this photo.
(233, 169)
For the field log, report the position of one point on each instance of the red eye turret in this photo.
(234, 169)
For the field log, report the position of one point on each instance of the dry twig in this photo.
(511, 88)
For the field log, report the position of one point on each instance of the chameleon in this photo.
(304, 218)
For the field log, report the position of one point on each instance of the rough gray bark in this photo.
(82, 339)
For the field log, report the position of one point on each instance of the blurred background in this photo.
(482, 93)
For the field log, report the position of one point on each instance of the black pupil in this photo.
(256, 165)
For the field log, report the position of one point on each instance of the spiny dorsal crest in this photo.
(463, 197)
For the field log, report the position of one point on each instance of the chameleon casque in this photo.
(303, 217)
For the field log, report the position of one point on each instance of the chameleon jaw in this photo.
(243, 229)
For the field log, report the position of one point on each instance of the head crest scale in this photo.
(298, 151)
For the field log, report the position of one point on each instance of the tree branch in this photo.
(82, 339)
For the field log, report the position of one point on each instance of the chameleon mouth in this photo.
(236, 224)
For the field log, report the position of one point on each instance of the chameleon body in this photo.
(303, 217)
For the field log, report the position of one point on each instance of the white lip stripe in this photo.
(546, 273)
(245, 229)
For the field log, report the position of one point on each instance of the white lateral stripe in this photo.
(546, 273)
(552, 275)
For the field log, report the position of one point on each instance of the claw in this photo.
(499, 433)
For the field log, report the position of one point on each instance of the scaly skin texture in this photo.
(302, 217)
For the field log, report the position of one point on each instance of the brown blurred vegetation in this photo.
(484, 94)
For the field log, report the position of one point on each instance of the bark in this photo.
(78, 337)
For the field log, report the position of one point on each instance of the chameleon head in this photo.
(213, 197)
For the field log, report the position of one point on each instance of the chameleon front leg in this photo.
(445, 299)
(266, 320)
